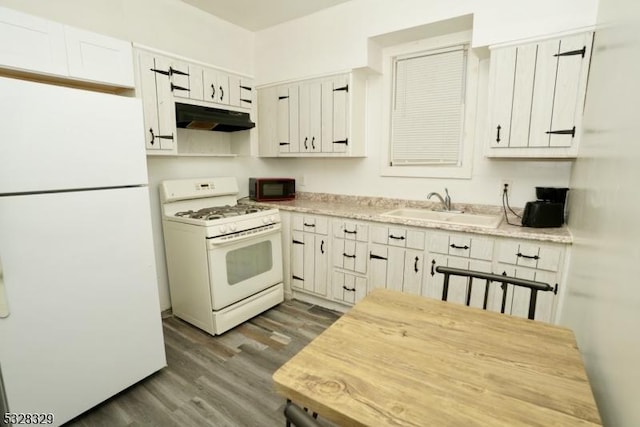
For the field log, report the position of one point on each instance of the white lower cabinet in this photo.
(349, 248)
(464, 251)
(309, 254)
(366, 255)
(532, 261)
(396, 258)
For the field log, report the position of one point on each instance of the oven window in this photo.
(249, 261)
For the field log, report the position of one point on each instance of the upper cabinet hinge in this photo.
(580, 52)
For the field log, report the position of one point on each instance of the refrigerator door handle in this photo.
(4, 304)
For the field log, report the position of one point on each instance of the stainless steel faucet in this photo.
(446, 201)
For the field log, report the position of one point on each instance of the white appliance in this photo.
(79, 308)
(224, 260)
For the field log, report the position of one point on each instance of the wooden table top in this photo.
(401, 360)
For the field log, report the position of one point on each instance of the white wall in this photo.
(603, 299)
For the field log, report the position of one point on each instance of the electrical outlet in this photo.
(509, 186)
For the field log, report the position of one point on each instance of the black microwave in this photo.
(270, 189)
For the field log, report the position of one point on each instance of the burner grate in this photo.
(218, 212)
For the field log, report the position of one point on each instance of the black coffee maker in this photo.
(548, 210)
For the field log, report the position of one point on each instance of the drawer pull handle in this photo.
(454, 246)
(308, 225)
(391, 236)
(349, 289)
(297, 242)
(348, 256)
(351, 232)
(297, 278)
(527, 256)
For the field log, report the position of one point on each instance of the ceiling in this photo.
(255, 15)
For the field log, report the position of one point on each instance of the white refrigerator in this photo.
(79, 308)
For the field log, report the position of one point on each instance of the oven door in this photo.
(241, 267)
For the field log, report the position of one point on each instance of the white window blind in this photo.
(428, 108)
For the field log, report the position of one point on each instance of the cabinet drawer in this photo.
(312, 224)
(350, 255)
(348, 287)
(351, 230)
(462, 245)
(543, 257)
(395, 236)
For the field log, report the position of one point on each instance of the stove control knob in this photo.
(233, 227)
(272, 220)
(223, 229)
(265, 220)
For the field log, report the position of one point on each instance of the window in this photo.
(430, 100)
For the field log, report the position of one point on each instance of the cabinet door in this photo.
(523, 85)
(223, 88)
(573, 61)
(234, 90)
(310, 117)
(545, 86)
(309, 262)
(378, 261)
(196, 83)
(157, 105)
(99, 58)
(434, 280)
(321, 265)
(517, 297)
(297, 259)
(246, 93)
(335, 114)
(340, 115)
(287, 119)
(413, 272)
(240, 92)
(211, 90)
(503, 66)
(31, 43)
(395, 268)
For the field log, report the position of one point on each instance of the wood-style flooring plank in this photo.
(216, 381)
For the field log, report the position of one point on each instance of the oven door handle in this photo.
(218, 241)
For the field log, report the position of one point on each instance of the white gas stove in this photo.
(224, 259)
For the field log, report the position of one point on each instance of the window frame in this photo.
(389, 54)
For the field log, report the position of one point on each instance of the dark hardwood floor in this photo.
(216, 381)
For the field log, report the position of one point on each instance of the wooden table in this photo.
(401, 360)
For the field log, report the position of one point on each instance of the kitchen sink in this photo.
(458, 218)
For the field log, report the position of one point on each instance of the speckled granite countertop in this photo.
(371, 208)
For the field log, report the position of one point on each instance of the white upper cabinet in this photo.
(536, 98)
(35, 45)
(157, 103)
(31, 43)
(98, 58)
(321, 117)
